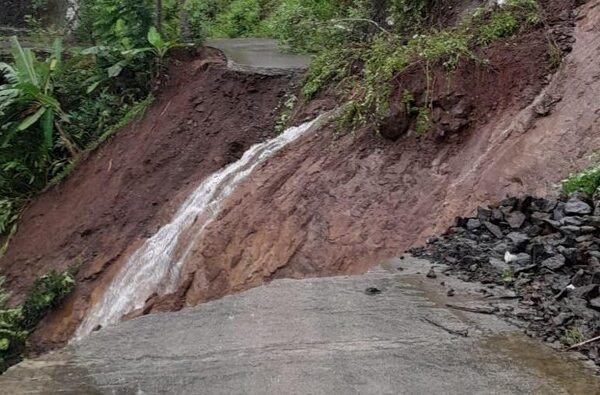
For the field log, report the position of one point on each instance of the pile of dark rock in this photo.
(547, 251)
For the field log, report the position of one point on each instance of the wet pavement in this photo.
(317, 336)
(259, 55)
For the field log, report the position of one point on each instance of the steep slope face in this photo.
(206, 117)
(324, 208)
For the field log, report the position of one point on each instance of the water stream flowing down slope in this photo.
(156, 266)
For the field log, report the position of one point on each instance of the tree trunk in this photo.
(380, 12)
(159, 16)
(184, 24)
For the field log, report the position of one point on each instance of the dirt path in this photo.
(330, 336)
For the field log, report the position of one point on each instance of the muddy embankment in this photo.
(325, 207)
(205, 117)
(322, 206)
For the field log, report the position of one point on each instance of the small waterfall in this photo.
(156, 266)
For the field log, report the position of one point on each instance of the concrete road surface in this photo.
(259, 55)
(316, 336)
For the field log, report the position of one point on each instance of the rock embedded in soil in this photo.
(546, 251)
(518, 240)
(499, 264)
(395, 124)
(473, 224)
(523, 259)
(372, 291)
(577, 207)
(586, 292)
(515, 219)
(495, 230)
(554, 263)
(595, 303)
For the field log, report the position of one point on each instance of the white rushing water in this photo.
(156, 266)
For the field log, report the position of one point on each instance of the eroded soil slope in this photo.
(322, 206)
(205, 117)
(327, 207)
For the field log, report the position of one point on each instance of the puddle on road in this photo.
(498, 340)
(558, 368)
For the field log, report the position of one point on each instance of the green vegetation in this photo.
(587, 181)
(15, 323)
(507, 20)
(508, 276)
(226, 18)
(384, 56)
(301, 25)
(572, 336)
(158, 49)
(362, 46)
(47, 292)
(53, 107)
(309, 25)
(115, 22)
(285, 112)
(29, 117)
(554, 55)
(240, 18)
(12, 336)
(51, 110)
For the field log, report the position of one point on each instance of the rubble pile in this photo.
(546, 250)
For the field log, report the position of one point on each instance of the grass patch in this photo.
(572, 336)
(285, 113)
(10, 211)
(586, 181)
(137, 110)
(46, 294)
(554, 55)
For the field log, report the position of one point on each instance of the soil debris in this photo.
(431, 273)
(204, 118)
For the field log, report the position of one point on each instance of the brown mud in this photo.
(205, 117)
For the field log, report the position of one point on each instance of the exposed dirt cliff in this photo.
(328, 207)
(322, 206)
(205, 118)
